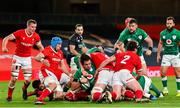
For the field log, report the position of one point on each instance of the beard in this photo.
(170, 29)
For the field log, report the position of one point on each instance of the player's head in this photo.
(132, 46)
(36, 84)
(170, 22)
(79, 29)
(86, 61)
(31, 26)
(133, 25)
(126, 22)
(56, 43)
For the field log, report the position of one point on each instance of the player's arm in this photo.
(64, 68)
(41, 58)
(149, 41)
(73, 51)
(40, 46)
(159, 51)
(119, 46)
(5, 41)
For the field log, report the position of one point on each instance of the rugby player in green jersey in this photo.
(169, 41)
(132, 32)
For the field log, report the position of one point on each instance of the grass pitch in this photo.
(168, 101)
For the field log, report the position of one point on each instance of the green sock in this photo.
(164, 81)
(178, 83)
(153, 88)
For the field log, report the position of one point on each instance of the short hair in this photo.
(133, 20)
(31, 21)
(36, 83)
(132, 45)
(78, 25)
(170, 18)
(84, 57)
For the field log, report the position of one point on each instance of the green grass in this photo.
(168, 101)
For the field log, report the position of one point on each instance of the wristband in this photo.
(150, 48)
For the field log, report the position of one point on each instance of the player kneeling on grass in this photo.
(83, 80)
(53, 70)
(124, 64)
(147, 85)
(38, 89)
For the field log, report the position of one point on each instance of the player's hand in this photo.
(148, 52)
(45, 62)
(4, 49)
(85, 73)
(158, 58)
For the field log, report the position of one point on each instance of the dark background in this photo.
(98, 16)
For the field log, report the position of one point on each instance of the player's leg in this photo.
(50, 84)
(27, 71)
(104, 78)
(176, 65)
(164, 67)
(131, 83)
(117, 86)
(16, 66)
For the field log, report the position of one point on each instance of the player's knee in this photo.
(114, 96)
(15, 70)
(96, 96)
(96, 93)
(129, 94)
(138, 94)
(27, 74)
(97, 89)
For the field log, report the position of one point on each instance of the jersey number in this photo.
(126, 57)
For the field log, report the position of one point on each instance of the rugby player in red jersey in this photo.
(25, 39)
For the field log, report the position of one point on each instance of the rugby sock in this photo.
(164, 81)
(129, 94)
(10, 91)
(26, 85)
(138, 94)
(44, 94)
(178, 84)
(153, 88)
(114, 96)
(96, 96)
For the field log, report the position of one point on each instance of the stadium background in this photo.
(103, 20)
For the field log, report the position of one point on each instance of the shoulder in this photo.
(163, 32)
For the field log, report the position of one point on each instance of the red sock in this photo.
(10, 91)
(44, 94)
(129, 94)
(82, 95)
(138, 94)
(96, 96)
(114, 95)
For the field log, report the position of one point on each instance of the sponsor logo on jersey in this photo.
(26, 44)
(56, 59)
(168, 41)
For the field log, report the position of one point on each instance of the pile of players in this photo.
(93, 75)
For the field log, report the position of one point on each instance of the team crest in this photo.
(140, 37)
(174, 37)
(168, 41)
